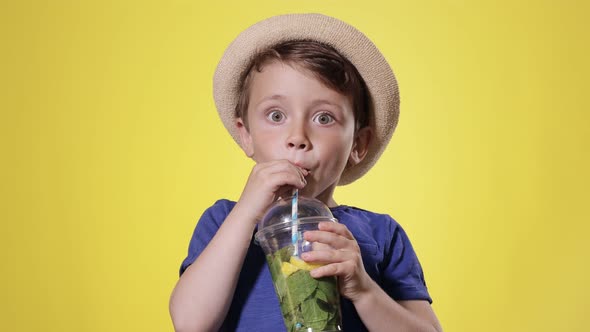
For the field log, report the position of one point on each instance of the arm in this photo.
(377, 310)
(380, 312)
(202, 297)
(203, 294)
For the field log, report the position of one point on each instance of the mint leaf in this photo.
(285, 253)
(300, 286)
(305, 302)
(329, 286)
(274, 265)
(313, 315)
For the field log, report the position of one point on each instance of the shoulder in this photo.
(218, 211)
(205, 229)
(223, 205)
(364, 218)
(357, 212)
(368, 227)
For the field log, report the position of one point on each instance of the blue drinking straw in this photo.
(294, 235)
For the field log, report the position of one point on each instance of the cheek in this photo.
(266, 144)
(335, 153)
(337, 144)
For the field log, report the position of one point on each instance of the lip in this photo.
(301, 165)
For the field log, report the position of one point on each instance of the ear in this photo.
(360, 146)
(245, 138)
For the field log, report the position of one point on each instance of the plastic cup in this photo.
(307, 304)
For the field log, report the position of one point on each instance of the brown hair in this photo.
(323, 61)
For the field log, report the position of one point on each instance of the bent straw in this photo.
(294, 234)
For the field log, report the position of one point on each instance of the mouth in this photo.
(303, 167)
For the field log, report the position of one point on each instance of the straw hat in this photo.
(347, 40)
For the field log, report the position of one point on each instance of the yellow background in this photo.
(111, 149)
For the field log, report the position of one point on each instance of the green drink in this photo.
(307, 304)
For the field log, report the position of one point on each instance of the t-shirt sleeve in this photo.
(206, 228)
(403, 278)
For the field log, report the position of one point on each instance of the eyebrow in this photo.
(313, 104)
(270, 98)
(325, 101)
(273, 97)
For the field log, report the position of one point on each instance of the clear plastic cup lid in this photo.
(280, 213)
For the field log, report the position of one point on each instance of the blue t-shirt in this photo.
(386, 251)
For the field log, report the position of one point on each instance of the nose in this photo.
(298, 139)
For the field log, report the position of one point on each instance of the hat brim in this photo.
(347, 40)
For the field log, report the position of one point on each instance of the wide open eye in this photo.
(323, 118)
(276, 116)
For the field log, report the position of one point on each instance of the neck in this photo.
(327, 197)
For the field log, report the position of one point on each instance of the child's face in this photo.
(293, 116)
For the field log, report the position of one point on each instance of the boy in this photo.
(313, 102)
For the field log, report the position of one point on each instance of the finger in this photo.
(281, 167)
(282, 185)
(337, 228)
(334, 240)
(288, 175)
(335, 269)
(277, 178)
(283, 163)
(329, 256)
(277, 166)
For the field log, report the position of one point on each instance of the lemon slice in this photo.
(301, 264)
(287, 268)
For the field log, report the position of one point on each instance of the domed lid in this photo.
(308, 209)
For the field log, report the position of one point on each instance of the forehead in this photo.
(290, 79)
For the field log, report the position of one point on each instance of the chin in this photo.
(314, 192)
(307, 192)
